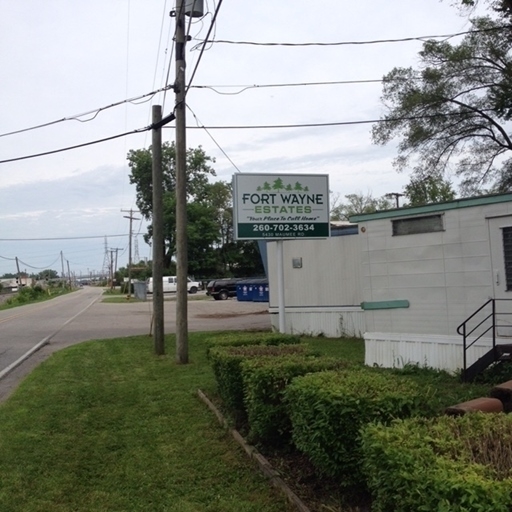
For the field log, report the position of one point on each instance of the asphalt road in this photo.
(81, 316)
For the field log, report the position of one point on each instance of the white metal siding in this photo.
(394, 350)
(329, 322)
(330, 273)
(445, 276)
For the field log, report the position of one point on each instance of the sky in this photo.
(63, 61)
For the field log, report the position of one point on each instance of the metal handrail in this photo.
(462, 329)
(492, 327)
(469, 318)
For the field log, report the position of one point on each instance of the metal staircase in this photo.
(483, 323)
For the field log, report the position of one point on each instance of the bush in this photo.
(328, 409)
(251, 338)
(264, 381)
(226, 363)
(28, 294)
(452, 464)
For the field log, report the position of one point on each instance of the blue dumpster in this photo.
(244, 291)
(260, 292)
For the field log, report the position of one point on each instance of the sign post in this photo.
(281, 207)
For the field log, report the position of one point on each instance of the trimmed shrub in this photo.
(251, 338)
(328, 409)
(264, 381)
(226, 364)
(452, 464)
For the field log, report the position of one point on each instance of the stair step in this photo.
(503, 392)
(504, 349)
(477, 404)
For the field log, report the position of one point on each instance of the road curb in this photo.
(262, 462)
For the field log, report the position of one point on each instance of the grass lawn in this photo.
(108, 426)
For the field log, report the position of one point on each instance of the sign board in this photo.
(281, 206)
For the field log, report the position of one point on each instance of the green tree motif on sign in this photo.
(278, 184)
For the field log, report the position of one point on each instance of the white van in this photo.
(169, 285)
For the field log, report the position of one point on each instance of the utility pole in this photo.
(62, 264)
(69, 274)
(181, 191)
(395, 195)
(194, 9)
(18, 268)
(132, 218)
(158, 237)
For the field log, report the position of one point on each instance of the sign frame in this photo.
(281, 206)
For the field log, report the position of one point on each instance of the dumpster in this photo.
(260, 291)
(244, 291)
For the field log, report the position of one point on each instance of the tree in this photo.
(503, 8)
(212, 250)
(428, 190)
(359, 203)
(452, 113)
(47, 274)
(198, 173)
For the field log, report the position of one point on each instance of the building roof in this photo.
(466, 202)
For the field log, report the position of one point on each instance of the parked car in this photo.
(222, 289)
(169, 285)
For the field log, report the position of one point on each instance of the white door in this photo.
(500, 237)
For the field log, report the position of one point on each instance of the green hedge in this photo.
(241, 339)
(264, 381)
(226, 364)
(447, 464)
(328, 409)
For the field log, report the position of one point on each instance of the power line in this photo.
(40, 268)
(56, 238)
(140, 130)
(171, 117)
(204, 45)
(213, 139)
(352, 43)
(315, 125)
(95, 112)
(263, 86)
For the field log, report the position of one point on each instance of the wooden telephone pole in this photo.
(132, 218)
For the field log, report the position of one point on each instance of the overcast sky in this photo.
(59, 59)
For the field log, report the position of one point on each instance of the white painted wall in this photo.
(445, 276)
(324, 296)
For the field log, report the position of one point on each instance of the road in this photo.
(81, 316)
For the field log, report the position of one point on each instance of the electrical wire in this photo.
(170, 117)
(26, 157)
(314, 125)
(39, 268)
(351, 43)
(213, 139)
(96, 111)
(203, 46)
(263, 86)
(57, 238)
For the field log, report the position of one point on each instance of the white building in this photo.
(406, 281)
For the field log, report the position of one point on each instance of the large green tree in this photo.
(359, 203)
(212, 251)
(452, 113)
(428, 190)
(199, 171)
